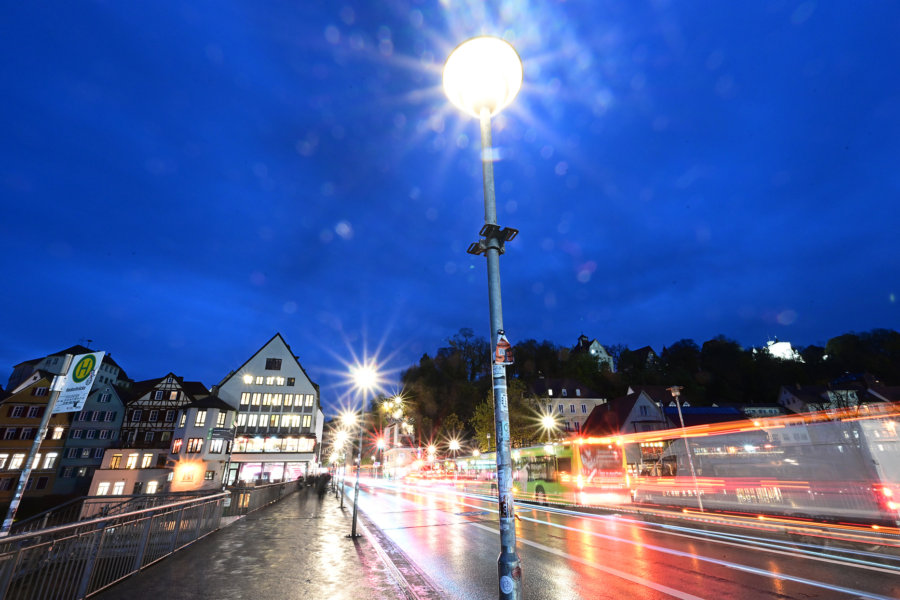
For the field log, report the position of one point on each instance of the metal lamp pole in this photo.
(353, 533)
(676, 392)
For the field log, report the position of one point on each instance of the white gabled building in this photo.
(278, 428)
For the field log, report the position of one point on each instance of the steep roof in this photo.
(541, 386)
(608, 418)
(79, 349)
(209, 402)
(658, 393)
(261, 348)
(643, 354)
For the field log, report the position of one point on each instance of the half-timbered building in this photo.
(153, 409)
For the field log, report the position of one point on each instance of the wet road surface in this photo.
(455, 540)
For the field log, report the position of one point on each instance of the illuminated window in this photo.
(252, 422)
(170, 476)
(58, 433)
(3, 458)
(118, 488)
(165, 436)
(549, 392)
(210, 475)
(187, 475)
(248, 379)
(267, 400)
(16, 462)
(215, 446)
(241, 420)
(279, 381)
(259, 380)
(309, 400)
(276, 399)
(270, 381)
(295, 421)
(176, 446)
(307, 420)
(273, 421)
(290, 381)
(200, 421)
(195, 445)
(256, 399)
(132, 461)
(146, 461)
(151, 487)
(183, 419)
(220, 420)
(578, 391)
(173, 395)
(245, 398)
(103, 488)
(288, 399)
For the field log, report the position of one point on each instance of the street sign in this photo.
(221, 433)
(78, 382)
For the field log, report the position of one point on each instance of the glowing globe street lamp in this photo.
(481, 77)
(549, 424)
(365, 378)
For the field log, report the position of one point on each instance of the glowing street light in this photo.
(365, 377)
(481, 77)
(454, 445)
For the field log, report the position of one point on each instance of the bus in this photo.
(590, 471)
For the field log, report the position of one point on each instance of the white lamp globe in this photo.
(484, 72)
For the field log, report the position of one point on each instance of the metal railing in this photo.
(78, 560)
(247, 499)
(92, 507)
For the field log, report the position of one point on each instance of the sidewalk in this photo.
(295, 548)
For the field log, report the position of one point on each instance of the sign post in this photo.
(68, 393)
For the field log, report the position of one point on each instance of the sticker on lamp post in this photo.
(79, 380)
(503, 353)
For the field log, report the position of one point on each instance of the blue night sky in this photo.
(181, 180)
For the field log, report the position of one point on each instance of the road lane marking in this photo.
(627, 576)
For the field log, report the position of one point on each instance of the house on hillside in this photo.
(595, 349)
(568, 400)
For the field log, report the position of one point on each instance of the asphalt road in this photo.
(455, 540)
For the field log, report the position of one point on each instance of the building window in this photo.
(256, 399)
(151, 487)
(58, 433)
(33, 412)
(241, 420)
(77, 433)
(81, 472)
(564, 392)
(252, 421)
(578, 391)
(188, 475)
(148, 437)
(276, 399)
(200, 421)
(104, 397)
(10, 434)
(95, 416)
(220, 420)
(170, 476)
(103, 488)
(183, 419)
(550, 392)
(290, 381)
(6, 484)
(245, 398)
(170, 415)
(158, 395)
(154, 415)
(132, 461)
(295, 421)
(27, 433)
(279, 381)
(82, 416)
(195, 445)
(267, 399)
(169, 379)
(16, 462)
(67, 472)
(210, 475)
(41, 391)
(248, 379)
(273, 421)
(50, 460)
(307, 420)
(165, 436)
(259, 380)
(136, 415)
(146, 461)
(270, 381)
(98, 452)
(273, 364)
(104, 434)
(644, 411)
(568, 426)
(173, 395)
(17, 411)
(215, 446)
(71, 452)
(584, 409)
(560, 408)
(309, 400)
(3, 459)
(110, 415)
(176, 446)
(288, 399)
(138, 486)
(118, 488)
(91, 434)
(572, 409)
(85, 453)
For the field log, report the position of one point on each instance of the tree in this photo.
(524, 419)
(615, 351)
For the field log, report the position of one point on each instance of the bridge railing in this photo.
(245, 500)
(74, 561)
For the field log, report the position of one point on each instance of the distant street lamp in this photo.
(549, 424)
(481, 77)
(676, 392)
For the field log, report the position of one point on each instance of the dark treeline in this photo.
(443, 392)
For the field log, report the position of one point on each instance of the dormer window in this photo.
(578, 392)
(549, 392)
(564, 392)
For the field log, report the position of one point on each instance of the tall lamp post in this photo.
(676, 392)
(365, 378)
(380, 445)
(481, 77)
